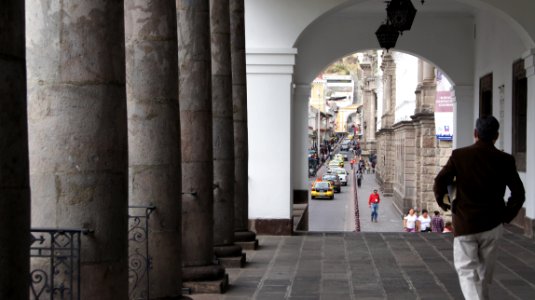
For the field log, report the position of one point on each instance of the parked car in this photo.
(322, 189)
(341, 172)
(334, 179)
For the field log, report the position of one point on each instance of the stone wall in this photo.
(405, 169)
(409, 157)
(385, 160)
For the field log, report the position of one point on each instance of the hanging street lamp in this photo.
(401, 14)
(387, 35)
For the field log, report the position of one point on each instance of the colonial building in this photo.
(409, 152)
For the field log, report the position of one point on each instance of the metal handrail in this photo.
(55, 263)
(139, 259)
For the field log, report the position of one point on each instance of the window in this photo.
(485, 95)
(520, 105)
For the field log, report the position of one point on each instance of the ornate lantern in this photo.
(387, 35)
(401, 14)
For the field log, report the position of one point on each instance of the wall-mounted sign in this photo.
(444, 108)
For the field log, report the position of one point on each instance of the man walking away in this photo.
(437, 223)
(373, 202)
(482, 173)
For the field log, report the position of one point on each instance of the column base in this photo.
(230, 256)
(246, 239)
(233, 262)
(211, 279)
(272, 226)
(219, 286)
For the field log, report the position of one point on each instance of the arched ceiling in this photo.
(441, 34)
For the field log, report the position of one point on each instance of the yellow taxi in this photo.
(335, 162)
(322, 189)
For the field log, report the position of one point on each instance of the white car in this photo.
(342, 173)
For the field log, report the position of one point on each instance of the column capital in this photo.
(271, 61)
(529, 62)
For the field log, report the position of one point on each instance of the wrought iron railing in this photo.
(139, 259)
(55, 263)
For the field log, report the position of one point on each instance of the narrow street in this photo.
(338, 215)
(389, 219)
(332, 215)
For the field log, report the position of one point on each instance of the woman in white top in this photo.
(424, 221)
(409, 221)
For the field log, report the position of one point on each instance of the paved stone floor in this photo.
(371, 266)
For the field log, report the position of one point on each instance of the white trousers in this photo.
(474, 257)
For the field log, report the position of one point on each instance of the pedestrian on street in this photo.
(409, 221)
(437, 223)
(361, 165)
(373, 203)
(481, 173)
(448, 228)
(352, 162)
(359, 178)
(424, 221)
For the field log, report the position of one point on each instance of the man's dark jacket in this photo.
(482, 173)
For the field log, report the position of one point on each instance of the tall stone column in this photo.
(78, 133)
(195, 98)
(428, 89)
(14, 181)
(229, 254)
(389, 95)
(368, 138)
(153, 137)
(243, 237)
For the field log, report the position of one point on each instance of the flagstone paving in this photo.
(371, 266)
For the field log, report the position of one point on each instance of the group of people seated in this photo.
(424, 223)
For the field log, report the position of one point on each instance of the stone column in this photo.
(420, 71)
(428, 71)
(153, 137)
(428, 89)
(243, 237)
(78, 133)
(389, 99)
(229, 254)
(195, 98)
(14, 181)
(368, 104)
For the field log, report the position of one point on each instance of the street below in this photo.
(338, 215)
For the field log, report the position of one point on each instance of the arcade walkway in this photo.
(371, 266)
